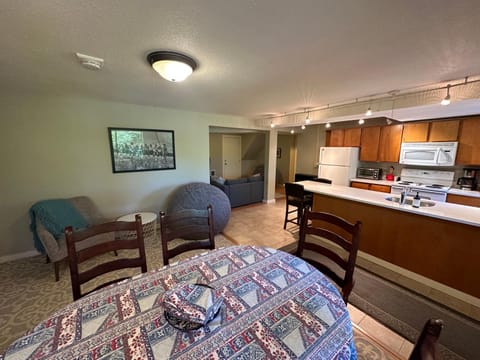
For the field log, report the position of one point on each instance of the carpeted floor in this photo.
(34, 295)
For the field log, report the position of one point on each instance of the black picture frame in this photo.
(135, 150)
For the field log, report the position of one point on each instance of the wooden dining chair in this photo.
(335, 253)
(84, 252)
(426, 347)
(195, 229)
(299, 199)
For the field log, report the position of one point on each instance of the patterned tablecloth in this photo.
(275, 306)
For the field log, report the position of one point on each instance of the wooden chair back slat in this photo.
(193, 225)
(333, 231)
(78, 253)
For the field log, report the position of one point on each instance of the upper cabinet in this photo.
(370, 139)
(381, 143)
(444, 130)
(431, 131)
(390, 142)
(344, 137)
(415, 132)
(468, 152)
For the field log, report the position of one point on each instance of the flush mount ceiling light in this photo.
(172, 66)
(327, 125)
(446, 99)
(361, 121)
(292, 131)
(368, 112)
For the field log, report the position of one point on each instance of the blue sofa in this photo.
(241, 191)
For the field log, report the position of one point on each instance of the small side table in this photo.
(149, 222)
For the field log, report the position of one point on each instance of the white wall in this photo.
(58, 147)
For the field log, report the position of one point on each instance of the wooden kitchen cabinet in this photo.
(415, 132)
(444, 130)
(372, 187)
(389, 143)
(381, 143)
(380, 188)
(344, 137)
(335, 137)
(360, 185)
(369, 141)
(463, 200)
(352, 137)
(468, 152)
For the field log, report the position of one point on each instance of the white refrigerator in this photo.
(338, 164)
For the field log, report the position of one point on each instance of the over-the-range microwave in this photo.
(429, 153)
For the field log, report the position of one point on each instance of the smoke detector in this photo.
(90, 62)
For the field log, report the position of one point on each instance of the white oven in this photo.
(429, 153)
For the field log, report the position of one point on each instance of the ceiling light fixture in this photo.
(361, 121)
(446, 99)
(327, 125)
(272, 125)
(292, 131)
(303, 127)
(172, 66)
(369, 111)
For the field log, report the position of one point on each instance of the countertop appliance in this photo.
(338, 164)
(430, 184)
(429, 153)
(469, 179)
(369, 173)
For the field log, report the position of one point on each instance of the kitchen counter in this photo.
(390, 183)
(464, 192)
(440, 242)
(371, 181)
(446, 211)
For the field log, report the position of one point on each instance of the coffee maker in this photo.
(469, 179)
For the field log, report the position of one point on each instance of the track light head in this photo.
(368, 112)
(446, 99)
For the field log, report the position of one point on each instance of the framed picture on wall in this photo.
(141, 149)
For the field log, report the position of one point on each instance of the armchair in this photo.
(54, 246)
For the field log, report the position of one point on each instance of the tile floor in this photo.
(262, 224)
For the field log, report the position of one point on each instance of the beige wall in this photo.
(58, 147)
(286, 143)
(216, 154)
(308, 148)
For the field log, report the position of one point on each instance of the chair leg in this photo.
(56, 268)
(286, 217)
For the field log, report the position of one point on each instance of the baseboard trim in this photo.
(23, 255)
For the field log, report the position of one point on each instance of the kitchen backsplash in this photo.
(398, 168)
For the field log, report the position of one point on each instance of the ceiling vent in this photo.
(90, 62)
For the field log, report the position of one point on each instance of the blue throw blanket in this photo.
(55, 215)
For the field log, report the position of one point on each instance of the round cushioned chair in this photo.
(199, 196)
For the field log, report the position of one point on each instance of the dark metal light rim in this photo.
(171, 55)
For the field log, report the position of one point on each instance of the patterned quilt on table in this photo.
(275, 306)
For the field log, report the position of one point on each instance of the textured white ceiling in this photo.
(255, 57)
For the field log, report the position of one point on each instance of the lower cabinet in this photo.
(372, 187)
(463, 200)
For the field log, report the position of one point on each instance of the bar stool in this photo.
(297, 198)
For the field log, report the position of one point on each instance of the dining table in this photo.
(275, 306)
